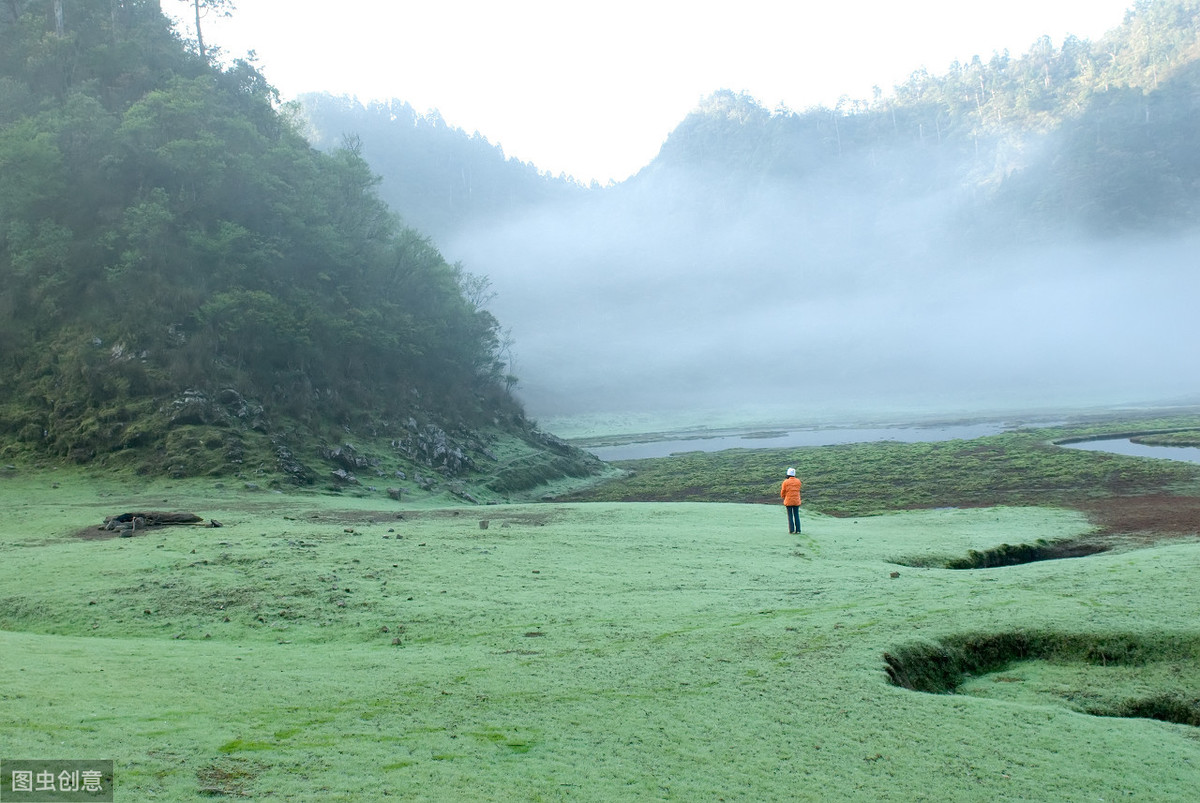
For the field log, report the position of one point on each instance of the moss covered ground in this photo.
(1020, 467)
(343, 648)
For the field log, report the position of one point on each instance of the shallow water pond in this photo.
(1125, 446)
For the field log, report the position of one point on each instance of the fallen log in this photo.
(154, 518)
(126, 524)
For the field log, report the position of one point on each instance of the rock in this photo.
(347, 457)
(433, 447)
(344, 476)
(460, 490)
(289, 464)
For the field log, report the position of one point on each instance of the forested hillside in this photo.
(440, 178)
(186, 284)
(1097, 136)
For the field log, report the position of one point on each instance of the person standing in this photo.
(790, 493)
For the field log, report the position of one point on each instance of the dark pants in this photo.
(793, 518)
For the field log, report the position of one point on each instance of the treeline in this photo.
(1093, 135)
(439, 177)
(1089, 136)
(165, 226)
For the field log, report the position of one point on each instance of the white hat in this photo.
(791, 472)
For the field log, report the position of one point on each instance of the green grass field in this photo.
(328, 648)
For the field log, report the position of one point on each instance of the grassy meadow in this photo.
(336, 648)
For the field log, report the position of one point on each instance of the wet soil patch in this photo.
(498, 515)
(1152, 516)
(945, 666)
(227, 779)
(93, 533)
(1125, 522)
(103, 534)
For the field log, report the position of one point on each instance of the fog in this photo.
(671, 293)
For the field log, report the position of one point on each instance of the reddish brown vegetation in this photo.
(1155, 514)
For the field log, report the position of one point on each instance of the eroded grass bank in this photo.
(317, 648)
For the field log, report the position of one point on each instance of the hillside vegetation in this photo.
(1021, 467)
(439, 178)
(1082, 135)
(187, 286)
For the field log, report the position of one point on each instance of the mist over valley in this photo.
(1016, 234)
(808, 300)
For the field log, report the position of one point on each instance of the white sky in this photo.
(592, 89)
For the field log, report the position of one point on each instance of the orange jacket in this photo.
(790, 491)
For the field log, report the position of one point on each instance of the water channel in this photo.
(791, 438)
(784, 439)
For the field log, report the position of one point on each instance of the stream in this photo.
(783, 439)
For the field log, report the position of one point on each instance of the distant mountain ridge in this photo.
(1096, 136)
(998, 235)
(1082, 134)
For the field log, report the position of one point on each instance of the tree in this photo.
(222, 8)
